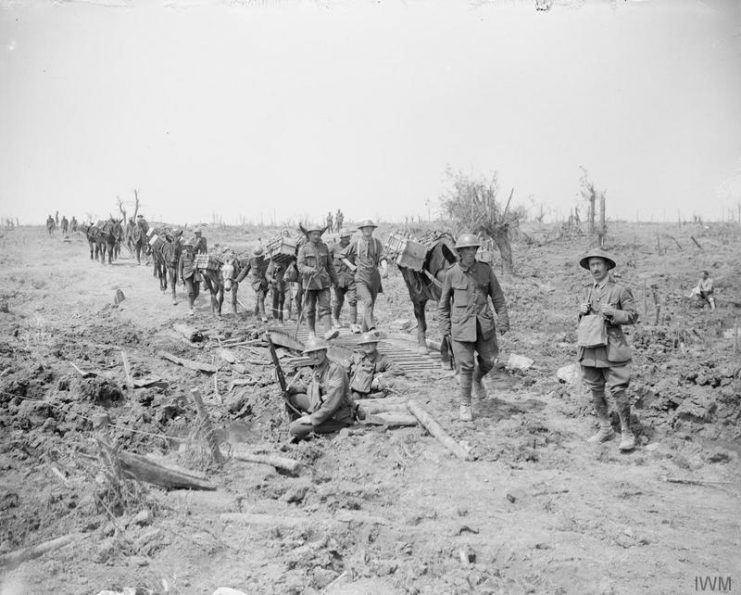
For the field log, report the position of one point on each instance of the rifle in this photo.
(281, 377)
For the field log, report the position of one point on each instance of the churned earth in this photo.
(372, 509)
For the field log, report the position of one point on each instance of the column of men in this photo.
(470, 289)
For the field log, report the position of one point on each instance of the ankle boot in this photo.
(627, 438)
(605, 432)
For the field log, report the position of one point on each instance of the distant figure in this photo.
(330, 224)
(189, 274)
(142, 223)
(704, 290)
(339, 219)
(56, 218)
(50, 225)
(73, 224)
(65, 225)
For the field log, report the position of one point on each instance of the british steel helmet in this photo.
(188, 244)
(597, 253)
(467, 240)
(314, 344)
(258, 251)
(366, 223)
(367, 338)
(314, 227)
(346, 232)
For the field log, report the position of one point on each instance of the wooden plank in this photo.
(436, 430)
(190, 364)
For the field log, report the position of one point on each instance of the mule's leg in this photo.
(173, 277)
(419, 314)
(234, 297)
(220, 297)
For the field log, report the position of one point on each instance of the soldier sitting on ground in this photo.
(324, 399)
(371, 373)
(703, 291)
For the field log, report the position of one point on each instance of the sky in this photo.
(270, 111)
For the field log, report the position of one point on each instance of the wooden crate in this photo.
(281, 249)
(412, 255)
(393, 246)
(208, 261)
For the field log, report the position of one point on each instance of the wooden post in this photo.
(127, 370)
(208, 429)
(645, 301)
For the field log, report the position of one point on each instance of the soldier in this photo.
(50, 225)
(56, 218)
(330, 222)
(368, 254)
(339, 219)
(345, 267)
(326, 397)
(189, 273)
(370, 372)
(131, 234)
(201, 246)
(73, 224)
(603, 352)
(318, 275)
(65, 225)
(469, 285)
(256, 268)
(704, 290)
(142, 223)
(275, 274)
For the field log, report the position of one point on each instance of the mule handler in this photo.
(325, 399)
(603, 352)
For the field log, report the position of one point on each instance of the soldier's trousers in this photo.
(299, 429)
(614, 379)
(278, 298)
(463, 351)
(317, 299)
(192, 288)
(340, 294)
(367, 296)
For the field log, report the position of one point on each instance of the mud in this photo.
(372, 510)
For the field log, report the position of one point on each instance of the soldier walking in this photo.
(256, 268)
(65, 225)
(275, 274)
(344, 266)
(367, 252)
(189, 273)
(318, 275)
(339, 219)
(201, 246)
(603, 352)
(330, 222)
(466, 318)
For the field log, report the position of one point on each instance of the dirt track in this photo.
(373, 511)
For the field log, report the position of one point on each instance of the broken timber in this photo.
(190, 364)
(436, 430)
(144, 469)
(13, 559)
(283, 463)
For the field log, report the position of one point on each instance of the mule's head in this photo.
(229, 272)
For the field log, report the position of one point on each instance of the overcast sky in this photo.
(280, 110)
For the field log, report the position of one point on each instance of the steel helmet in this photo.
(597, 253)
(315, 344)
(346, 232)
(369, 337)
(314, 227)
(467, 240)
(258, 251)
(188, 244)
(366, 223)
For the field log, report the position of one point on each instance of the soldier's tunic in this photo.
(465, 314)
(256, 268)
(609, 366)
(318, 275)
(345, 288)
(368, 256)
(325, 398)
(364, 369)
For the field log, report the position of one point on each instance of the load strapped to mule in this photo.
(406, 252)
(281, 249)
(209, 262)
